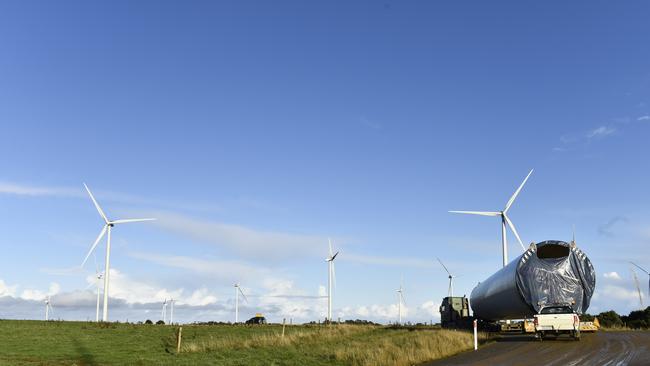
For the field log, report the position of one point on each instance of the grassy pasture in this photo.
(82, 343)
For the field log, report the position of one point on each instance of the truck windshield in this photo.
(557, 310)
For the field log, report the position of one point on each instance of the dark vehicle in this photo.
(454, 313)
(257, 319)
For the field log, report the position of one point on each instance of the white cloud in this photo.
(612, 275)
(199, 297)
(6, 290)
(601, 131)
(643, 118)
(613, 292)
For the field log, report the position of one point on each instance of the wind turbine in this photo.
(108, 226)
(98, 276)
(237, 292)
(400, 300)
(331, 276)
(451, 277)
(646, 272)
(638, 289)
(171, 313)
(504, 220)
(48, 307)
(164, 312)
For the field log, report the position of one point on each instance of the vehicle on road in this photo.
(555, 320)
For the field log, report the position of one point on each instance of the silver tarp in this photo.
(551, 272)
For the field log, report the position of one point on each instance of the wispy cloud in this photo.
(644, 118)
(246, 241)
(370, 124)
(387, 261)
(606, 228)
(600, 132)
(226, 271)
(28, 190)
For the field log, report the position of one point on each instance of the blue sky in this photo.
(254, 131)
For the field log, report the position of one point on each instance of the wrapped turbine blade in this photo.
(551, 272)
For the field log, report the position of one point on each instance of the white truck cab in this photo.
(555, 320)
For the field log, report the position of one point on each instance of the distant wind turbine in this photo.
(108, 226)
(331, 277)
(237, 292)
(171, 312)
(646, 272)
(400, 300)
(504, 220)
(164, 312)
(48, 308)
(450, 291)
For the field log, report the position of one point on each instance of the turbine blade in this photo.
(443, 266)
(639, 267)
(401, 295)
(333, 275)
(99, 237)
(89, 286)
(99, 209)
(242, 293)
(514, 196)
(334, 256)
(512, 227)
(130, 220)
(482, 213)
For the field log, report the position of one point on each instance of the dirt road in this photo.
(603, 348)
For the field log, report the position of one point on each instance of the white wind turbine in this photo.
(164, 312)
(48, 308)
(331, 277)
(646, 272)
(171, 312)
(98, 282)
(504, 220)
(237, 292)
(108, 226)
(400, 300)
(451, 280)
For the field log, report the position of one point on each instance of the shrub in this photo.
(148, 321)
(610, 319)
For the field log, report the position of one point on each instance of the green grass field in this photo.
(81, 343)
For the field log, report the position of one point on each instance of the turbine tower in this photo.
(48, 307)
(504, 220)
(163, 313)
(450, 291)
(646, 272)
(108, 226)
(400, 300)
(638, 289)
(171, 312)
(237, 292)
(331, 277)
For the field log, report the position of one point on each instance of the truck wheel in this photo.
(576, 335)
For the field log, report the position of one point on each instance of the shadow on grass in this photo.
(85, 357)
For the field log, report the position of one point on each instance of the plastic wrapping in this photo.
(551, 272)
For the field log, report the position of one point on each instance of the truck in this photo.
(454, 313)
(555, 320)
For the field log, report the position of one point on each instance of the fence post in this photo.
(475, 336)
(284, 321)
(178, 341)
